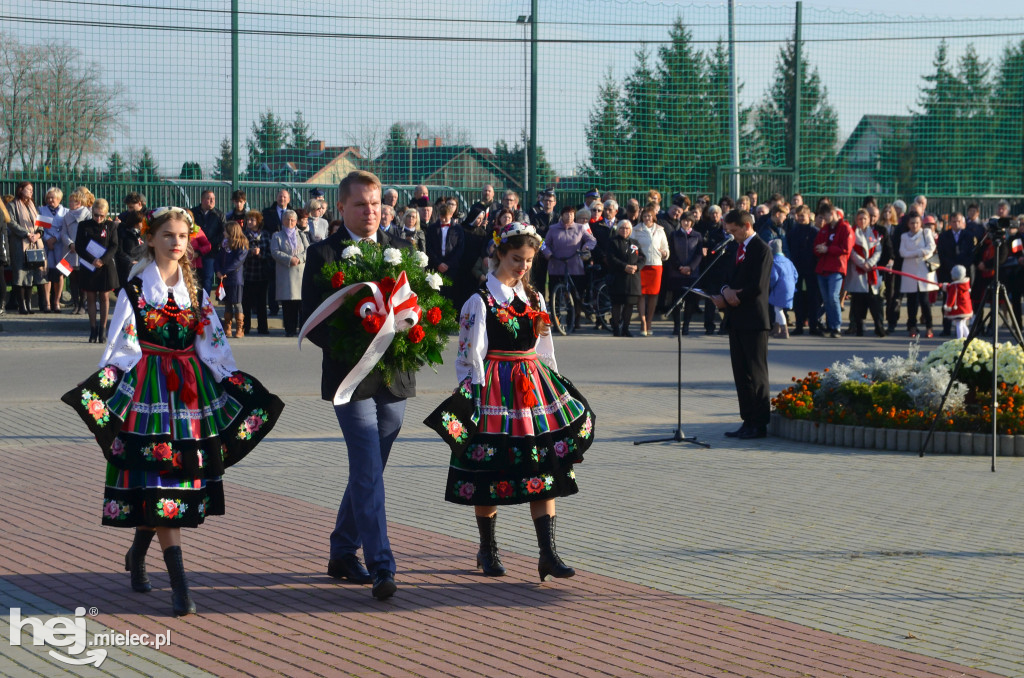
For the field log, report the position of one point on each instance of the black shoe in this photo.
(384, 584)
(626, 333)
(102, 339)
(685, 331)
(753, 432)
(798, 332)
(135, 560)
(738, 432)
(832, 334)
(879, 332)
(348, 567)
(94, 333)
(180, 598)
(487, 558)
(709, 331)
(549, 562)
(616, 332)
(817, 332)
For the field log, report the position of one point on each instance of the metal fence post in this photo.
(734, 118)
(533, 105)
(798, 77)
(235, 132)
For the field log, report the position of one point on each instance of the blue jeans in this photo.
(207, 274)
(370, 428)
(830, 284)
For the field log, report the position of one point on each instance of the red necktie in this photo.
(741, 252)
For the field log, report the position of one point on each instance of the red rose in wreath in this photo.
(416, 334)
(372, 323)
(387, 286)
(338, 279)
(434, 315)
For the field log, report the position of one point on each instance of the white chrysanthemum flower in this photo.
(392, 256)
(434, 280)
(422, 259)
(351, 251)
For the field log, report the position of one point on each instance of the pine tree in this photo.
(301, 136)
(819, 124)
(116, 170)
(715, 95)
(190, 170)
(146, 168)
(1007, 115)
(269, 135)
(223, 168)
(934, 130)
(604, 135)
(643, 161)
(975, 122)
(512, 160)
(680, 68)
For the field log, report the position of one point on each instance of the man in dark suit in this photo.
(211, 221)
(745, 302)
(446, 243)
(371, 420)
(955, 247)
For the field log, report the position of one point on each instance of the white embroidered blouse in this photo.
(469, 362)
(123, 350)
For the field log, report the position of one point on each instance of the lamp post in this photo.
(526, 21)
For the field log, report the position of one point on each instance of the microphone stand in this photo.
(678, 436)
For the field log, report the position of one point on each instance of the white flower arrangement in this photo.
(434, 280)
(392, 256)
(351, 251)
(422, 259)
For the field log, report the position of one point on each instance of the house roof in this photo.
(393, 165)
(307, 162)
(883, 125)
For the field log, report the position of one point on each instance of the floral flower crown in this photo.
(193, 227)
(515, 228)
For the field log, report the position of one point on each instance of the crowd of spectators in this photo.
(648, 254)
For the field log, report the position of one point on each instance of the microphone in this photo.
(722, 245)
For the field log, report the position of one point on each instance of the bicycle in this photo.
(595, 301)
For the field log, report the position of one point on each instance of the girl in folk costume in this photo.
(168, 407)
(862, 280)
(958, 301)
(515, 426)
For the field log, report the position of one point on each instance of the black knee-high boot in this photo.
(180, 598)
(135, 560)
(487, 558)
(549, 562)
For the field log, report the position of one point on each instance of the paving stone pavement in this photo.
(921, 555)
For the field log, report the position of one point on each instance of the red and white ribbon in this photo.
(400, 312)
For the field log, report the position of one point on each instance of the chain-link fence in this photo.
(629, 96)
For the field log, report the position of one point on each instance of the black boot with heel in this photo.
(487, 558)
(180, 598)
(135, 560)
(549, 563)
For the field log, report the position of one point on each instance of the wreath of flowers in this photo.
(352, 329)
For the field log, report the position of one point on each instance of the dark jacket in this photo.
(236, 216)
(603, 235)
(105, 277)
(685, 249)
(5, 247)
(541, 220)
(403, 384)
(454, 246)
(230, 264)
(257, 267)
(624, 252)
(212, 224)
(801, 248)
(953, 253)
(716, 269)
(752, 276)
(130, 246)
(271, 222)
(884, 243)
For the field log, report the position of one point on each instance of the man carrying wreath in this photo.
(371, 419)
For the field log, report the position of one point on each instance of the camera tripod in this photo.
(1000, 307)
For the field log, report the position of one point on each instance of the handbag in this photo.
(35, 258)
(932, 263)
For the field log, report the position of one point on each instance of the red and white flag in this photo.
(44, 222)
(1017, 246)
(64, 267)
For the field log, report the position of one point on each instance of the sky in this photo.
(460, 68)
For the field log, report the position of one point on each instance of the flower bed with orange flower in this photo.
(898, 393)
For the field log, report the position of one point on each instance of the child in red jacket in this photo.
(957, 306)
